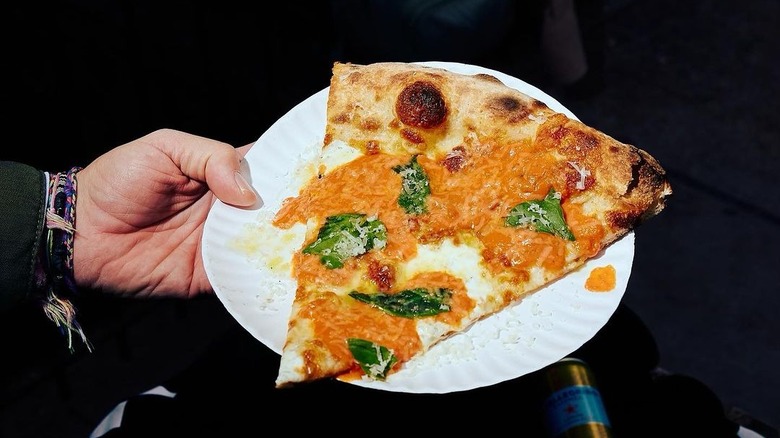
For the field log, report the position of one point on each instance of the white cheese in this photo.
(584, 173)
(337, 154)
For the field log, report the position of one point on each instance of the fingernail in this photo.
(244, 186)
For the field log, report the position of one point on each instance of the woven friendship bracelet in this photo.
(60, 286)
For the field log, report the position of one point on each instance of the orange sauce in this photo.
(587, 230)
(473, 200)
(349, 318)
(601, 279)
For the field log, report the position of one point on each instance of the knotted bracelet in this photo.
(55, 270)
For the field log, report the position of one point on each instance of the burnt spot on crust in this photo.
(539, 105)
(421, 104)
(645, 193)
(509, 108)
(646, 173)
(508, 103)
(648, 184)
(585, 141)
(637, 166)
(578, 143)
(623, 219)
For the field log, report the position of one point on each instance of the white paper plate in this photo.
(244, 260)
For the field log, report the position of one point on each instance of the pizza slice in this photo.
(440, 199)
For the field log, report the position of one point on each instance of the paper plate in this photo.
(246, 261)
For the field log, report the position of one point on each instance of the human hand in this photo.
(141, 208)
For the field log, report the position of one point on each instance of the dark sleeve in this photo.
(22, 209)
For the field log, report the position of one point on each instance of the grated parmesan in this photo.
(584, 173)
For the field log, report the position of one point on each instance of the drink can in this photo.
(573, 407)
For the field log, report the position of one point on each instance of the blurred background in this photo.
(693, 83)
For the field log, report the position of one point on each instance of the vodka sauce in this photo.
(601, 279)
(467, 203)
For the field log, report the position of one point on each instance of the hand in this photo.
(140, 211)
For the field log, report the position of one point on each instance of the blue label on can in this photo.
(573, 406)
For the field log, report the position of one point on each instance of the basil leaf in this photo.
(545, 215)
(346, 235)
(410, 303)
(415, 187)
(374, 359)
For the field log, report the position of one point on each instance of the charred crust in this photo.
(624, 220)
(508, 103)
(539, 105)
(421, 104)
(646, 191)
(576, 143)
(637, 169)
(656, 187)
(509, 107)
(585, 140)
(646, 174)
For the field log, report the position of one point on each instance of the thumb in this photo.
(228, 176)
(219, 164)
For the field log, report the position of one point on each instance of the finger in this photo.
(218, 164)
(228, 176)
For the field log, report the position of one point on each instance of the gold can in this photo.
(574, 408)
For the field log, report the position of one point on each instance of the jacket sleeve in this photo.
(22, 213)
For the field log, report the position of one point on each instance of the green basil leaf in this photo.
(346, 235)
(415, 187)
(544, 215)
(410, 303)
(375, 360)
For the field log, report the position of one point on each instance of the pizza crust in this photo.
(362, 100)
